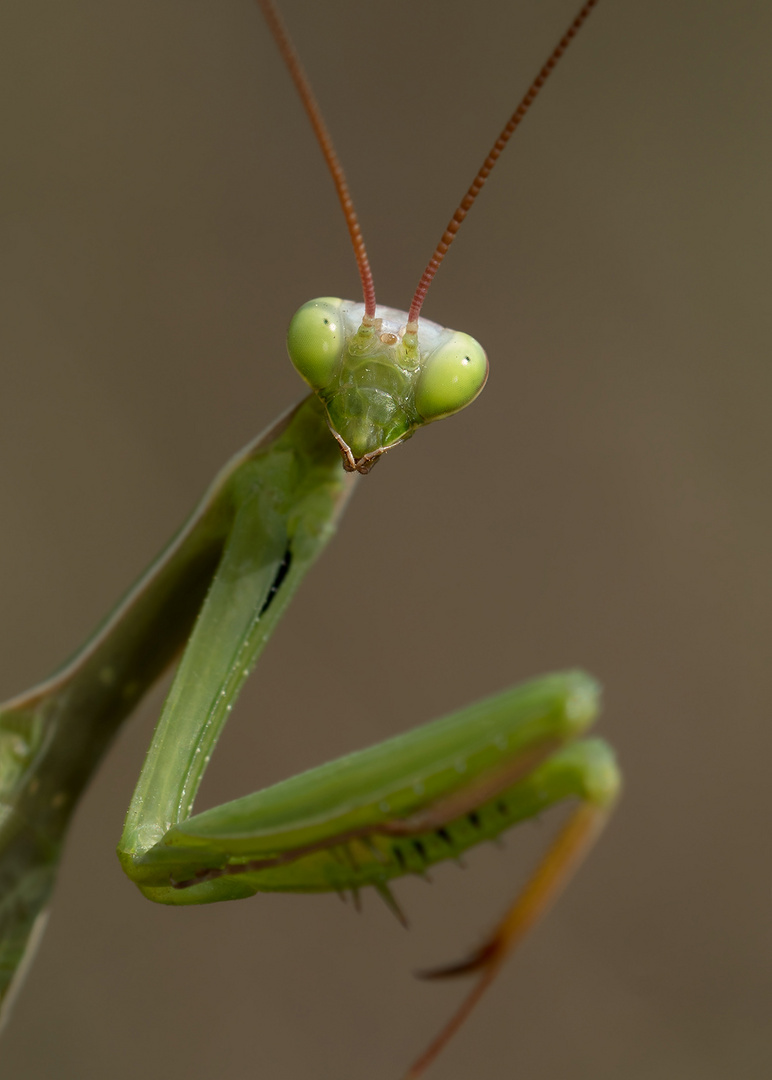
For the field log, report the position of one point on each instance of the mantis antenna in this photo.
(323, 137)
(310, 104)
(485, 169)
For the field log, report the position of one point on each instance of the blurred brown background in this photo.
(605, 503)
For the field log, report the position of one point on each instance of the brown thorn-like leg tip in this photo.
(566, 852)
(479, 959)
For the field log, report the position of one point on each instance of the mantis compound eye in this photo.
(315, 340)
(452, 376)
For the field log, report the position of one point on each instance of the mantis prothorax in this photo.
(377, 375)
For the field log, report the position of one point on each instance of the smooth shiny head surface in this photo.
(378, 380)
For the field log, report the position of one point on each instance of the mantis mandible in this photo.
(364, 820)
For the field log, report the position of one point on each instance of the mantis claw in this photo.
(553, 873)
(480, 958)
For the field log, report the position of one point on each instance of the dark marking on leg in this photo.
(281, 573)
(420, 850)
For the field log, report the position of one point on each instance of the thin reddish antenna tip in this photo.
(514, 121)
(303, 86)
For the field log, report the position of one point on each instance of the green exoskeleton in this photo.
(377, 375)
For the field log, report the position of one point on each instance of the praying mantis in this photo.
(412, 448)
(378, 375)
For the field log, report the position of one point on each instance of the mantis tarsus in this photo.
(366, 848)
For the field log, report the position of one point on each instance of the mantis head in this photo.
(380, 379)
